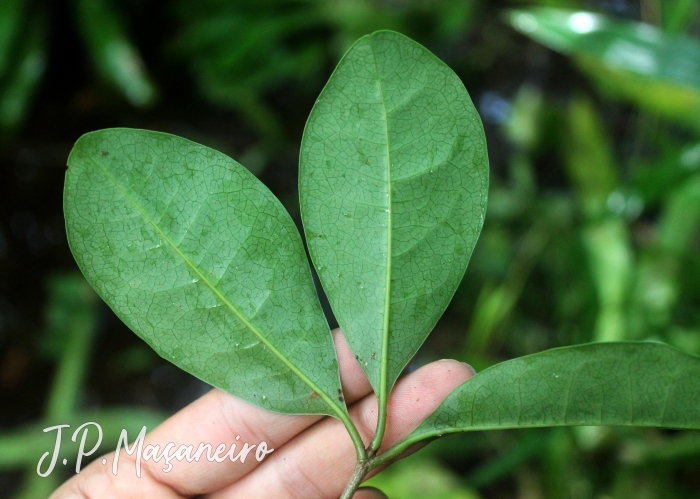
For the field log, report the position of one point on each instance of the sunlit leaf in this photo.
(393, 184)
(198, 258)
(653, 69)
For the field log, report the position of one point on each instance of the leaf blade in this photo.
(637, 61)
(393, 180)
(215, 280)
(610, 384)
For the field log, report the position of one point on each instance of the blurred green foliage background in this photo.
(592, 116)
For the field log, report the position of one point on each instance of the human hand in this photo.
(313, 457)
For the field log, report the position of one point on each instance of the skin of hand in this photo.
(313, 457)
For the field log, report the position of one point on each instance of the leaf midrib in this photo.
(220, 296)
(384, 359)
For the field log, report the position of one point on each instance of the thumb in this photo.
(369, 493)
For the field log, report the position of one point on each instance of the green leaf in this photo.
(590, 164)
(113, 54)
(626, 383)
(421, 476)
(198, 258)
(678, 15)
(25, 75)
(12, 13)
(393, 184)
(656, 70)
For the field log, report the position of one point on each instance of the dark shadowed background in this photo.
(593, 126)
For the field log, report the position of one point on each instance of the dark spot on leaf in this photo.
(312, 395)
(341, 399)
(374, 355)
(103, 153)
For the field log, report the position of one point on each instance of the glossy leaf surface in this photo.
(198, 258)
(393, 184)
(626, 383)
(656, 70)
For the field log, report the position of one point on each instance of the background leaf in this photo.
(656, 70)
(590, 164)
(626, 383)
(11, 13)
(114, 56)
(198, 258)
(24, 72)
(393, 183)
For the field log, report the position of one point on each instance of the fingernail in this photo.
(470, 368)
